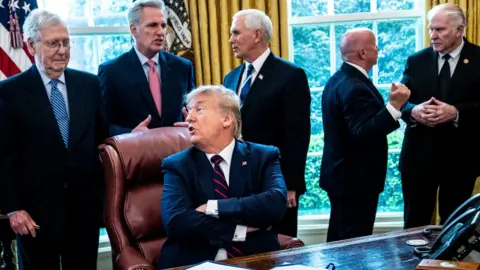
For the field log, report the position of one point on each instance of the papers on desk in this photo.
(288, 266)
(208, 265)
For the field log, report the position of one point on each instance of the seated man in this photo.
(223, 197)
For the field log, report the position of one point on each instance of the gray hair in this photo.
(454, 11)
(135, 10)
(228, 101)
(256, 19)
(37, 20)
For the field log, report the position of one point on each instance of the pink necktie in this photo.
(154, 82)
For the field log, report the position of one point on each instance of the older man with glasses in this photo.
(50, 174)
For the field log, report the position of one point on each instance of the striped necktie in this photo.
(221, 192)
(60, 110)
(246, 83)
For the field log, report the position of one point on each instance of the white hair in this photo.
(228, 101)
(37, 20)
(453, 11)
(256, 19)
(135, 10)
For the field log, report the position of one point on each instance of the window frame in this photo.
(385, 219)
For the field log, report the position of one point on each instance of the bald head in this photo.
(359, 47)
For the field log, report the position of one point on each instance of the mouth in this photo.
(191, 130)
(158, 42)
(234, 49)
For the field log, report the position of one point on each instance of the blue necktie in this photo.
(246, 83)
(60, 111)
(221, 192)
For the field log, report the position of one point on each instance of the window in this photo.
(316, 28)
(99, 31)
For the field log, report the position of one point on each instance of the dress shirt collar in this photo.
(455, 53)
(258, 63)
(226, 153)
(143, 59)
(45, 79)
(363, 71)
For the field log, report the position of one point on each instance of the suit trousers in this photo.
(289, 223)
(75, 248)
(351, 216)
(420, 196)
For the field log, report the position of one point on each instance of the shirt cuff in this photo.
(240, 233)
(212, 208)
(11, 213)
(455, 121)
(396, 114)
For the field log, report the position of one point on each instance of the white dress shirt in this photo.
(61, 86)
(396, 114)
(257, 65)
(143, 60)
(212, 205)
(453, 61)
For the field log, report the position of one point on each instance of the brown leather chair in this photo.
(134, 185)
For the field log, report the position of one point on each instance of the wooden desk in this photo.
(382, 251)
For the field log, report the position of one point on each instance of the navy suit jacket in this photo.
(424, 146)
(126, 92)
(258, 199)
(37, 172)
(276, 112)
(355, 124)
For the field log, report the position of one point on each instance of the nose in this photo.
(231, 39)
(189, 117)
(433, 34)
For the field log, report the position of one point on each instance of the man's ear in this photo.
(258, 35)
(362, 53)
(133, 30)
(228, 120)
(31, 46)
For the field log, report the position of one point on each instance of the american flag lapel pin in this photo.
(260, 76)
(244, 163)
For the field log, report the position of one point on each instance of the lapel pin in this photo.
(260, 76)
(465, 61)
(244, 163)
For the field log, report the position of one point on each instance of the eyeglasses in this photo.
(55, 44)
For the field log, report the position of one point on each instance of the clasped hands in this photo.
(433, 112)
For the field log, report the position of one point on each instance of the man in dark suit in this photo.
(223, 197)
(441, 148)
(356, 122)
(275, 101)
(50, 173)
(145, 84)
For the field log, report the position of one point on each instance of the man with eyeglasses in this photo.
(50, 174)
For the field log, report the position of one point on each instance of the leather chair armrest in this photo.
(287, 242)
(131, 259)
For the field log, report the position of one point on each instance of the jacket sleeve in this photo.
(296, 133)
(265, 208)
(360, 109)
(9, 197)
(182, 222)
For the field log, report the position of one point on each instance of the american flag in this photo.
(14, 55)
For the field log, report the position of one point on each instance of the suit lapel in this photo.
(164, 82)
(140, 82)
(460, 70)
(77, 105)
(39, 104)
(264, 76)
(203, 169)
(238, 170)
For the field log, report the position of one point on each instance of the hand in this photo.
(441, 112)
(421, 114)
(184, 123)
(202, 208)
(292, 199)
(399, 94)
(143, 125)
(23, 224)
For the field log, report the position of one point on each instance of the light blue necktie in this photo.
(60, 111)
(246, 83)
